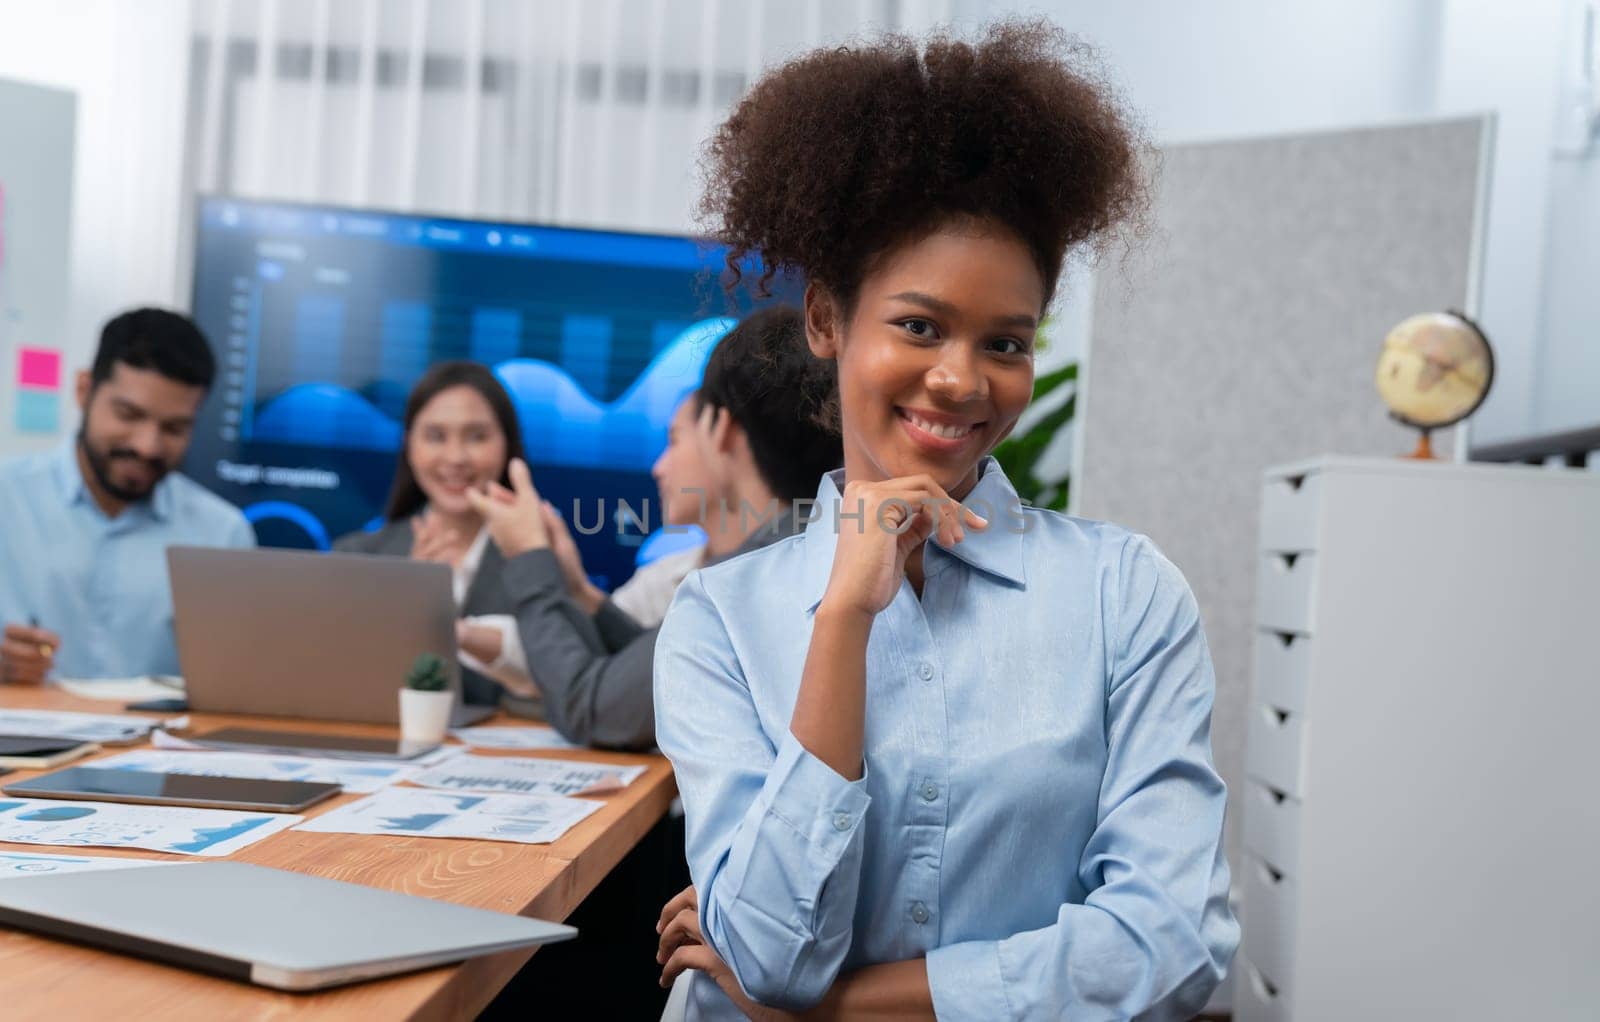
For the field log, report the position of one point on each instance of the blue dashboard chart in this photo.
(324, 318)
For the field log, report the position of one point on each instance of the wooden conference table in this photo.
(48, 979)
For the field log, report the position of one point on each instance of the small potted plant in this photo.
(426, 701)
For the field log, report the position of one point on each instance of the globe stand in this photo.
(1424, 449)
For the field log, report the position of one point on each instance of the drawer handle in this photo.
(1264, 986)
(1293, 482)
(1272, 793)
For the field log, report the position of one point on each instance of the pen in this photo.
(44, 647)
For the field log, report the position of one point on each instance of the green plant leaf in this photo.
(1030, 447)
(427, 674)
(1050, 381)
(1019, 455)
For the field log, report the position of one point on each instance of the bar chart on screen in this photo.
(324, 319)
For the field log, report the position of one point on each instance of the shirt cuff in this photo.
(965, 982)
(511, 654)
(510, 668)
(813, 799)
(531, 574)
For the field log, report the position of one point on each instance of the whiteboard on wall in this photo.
(36, 154)
(1246, 332)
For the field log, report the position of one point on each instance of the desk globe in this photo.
(1435, 370)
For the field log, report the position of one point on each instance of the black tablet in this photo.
(29, 752)
(28, 745)
(98, 784)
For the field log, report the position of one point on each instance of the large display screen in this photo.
(324, 318)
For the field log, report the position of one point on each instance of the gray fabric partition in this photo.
(1246, 332)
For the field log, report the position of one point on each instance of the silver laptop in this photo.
(294, 634)
(266, 926)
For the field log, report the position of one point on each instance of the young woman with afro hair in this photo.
(942, 755)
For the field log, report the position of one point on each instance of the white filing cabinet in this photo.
(1422, 802)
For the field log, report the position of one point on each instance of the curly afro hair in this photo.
(842, 154)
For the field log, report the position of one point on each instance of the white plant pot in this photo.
(425, 716)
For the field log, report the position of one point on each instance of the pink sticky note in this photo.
(39, 367)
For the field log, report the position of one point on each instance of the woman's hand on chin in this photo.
(887, 521)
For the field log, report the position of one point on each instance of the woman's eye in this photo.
(1009, 346)
(918, 327)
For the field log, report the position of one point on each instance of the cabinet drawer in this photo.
(1283, 669)
(1272, 825)
(1290, 512)
(1276, 748)
(1255, 998)
(1267, 920)
(1284, 592)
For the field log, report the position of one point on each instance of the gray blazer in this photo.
(486, 595)
(594, 672)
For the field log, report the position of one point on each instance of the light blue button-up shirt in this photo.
(1039, 816)
(98, 582)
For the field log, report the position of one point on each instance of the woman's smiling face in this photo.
(454, 444)
(936, 359)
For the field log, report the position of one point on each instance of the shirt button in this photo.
(919, 913)
(841, 821)
(926, 670)
(930, 792)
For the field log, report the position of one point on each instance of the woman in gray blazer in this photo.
(461, 432)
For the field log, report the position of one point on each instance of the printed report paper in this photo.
(37, 821)
(354, 775)
(512, 738)
(104, 728)
(20, 864)
(124, 690)
(413, 812)
(527, 776)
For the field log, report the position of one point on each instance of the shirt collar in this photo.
(162, 499)
(74, 490)
(783, 524)
(69, 477)
(996, 550)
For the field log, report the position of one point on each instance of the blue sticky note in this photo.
(38, 411)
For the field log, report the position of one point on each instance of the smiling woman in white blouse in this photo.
(941, 755)
(461, 432)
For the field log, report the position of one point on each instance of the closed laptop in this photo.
(265, 926)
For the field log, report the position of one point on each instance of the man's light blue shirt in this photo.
(98, 582)
(1039, 816)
